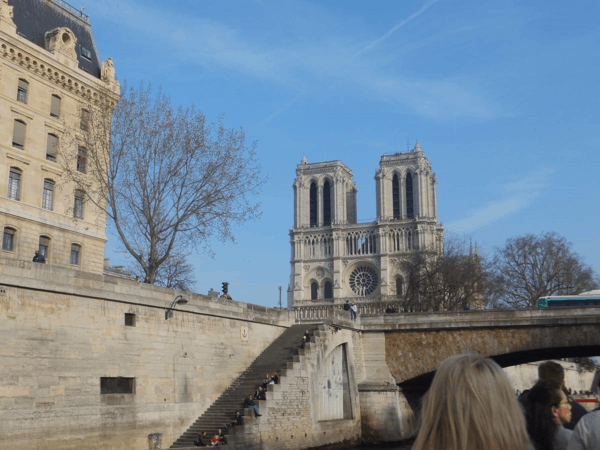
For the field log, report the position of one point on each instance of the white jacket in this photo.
(586, 435)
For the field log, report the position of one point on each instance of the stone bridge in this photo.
(400, 352)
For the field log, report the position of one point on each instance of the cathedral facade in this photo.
(333, 256)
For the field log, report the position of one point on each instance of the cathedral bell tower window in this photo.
(326, 204)
(396, 196)
(314, 290)
(313, 205)
(410, 211)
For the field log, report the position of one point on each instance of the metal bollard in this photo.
(155, 441)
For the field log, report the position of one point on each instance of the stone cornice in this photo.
(34, 60)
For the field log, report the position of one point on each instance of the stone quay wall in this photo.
(316, 402)
(62, 330)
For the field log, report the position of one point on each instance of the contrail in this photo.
(428, 4)
(413, 16)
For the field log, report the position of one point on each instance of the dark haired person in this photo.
(248, 403)
(260, 394)
(201, 440)
(38, 258)
(237, 420)
(547, 410)
(554, 374)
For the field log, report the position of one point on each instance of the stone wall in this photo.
(62, 330)
(316, 402)
(524, 376)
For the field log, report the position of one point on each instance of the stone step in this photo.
(282, 355)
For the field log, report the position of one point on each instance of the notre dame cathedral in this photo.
(333, 256)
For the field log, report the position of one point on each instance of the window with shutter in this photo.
(19, 134)
(51, 147)
(55, 106)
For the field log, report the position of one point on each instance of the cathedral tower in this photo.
(333, 256)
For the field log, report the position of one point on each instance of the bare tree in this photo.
(448, 281)
(176, 273)
(529, 267)
(167, 180)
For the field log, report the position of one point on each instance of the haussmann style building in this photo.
(50, 73)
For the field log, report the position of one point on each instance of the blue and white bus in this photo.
(583, 299)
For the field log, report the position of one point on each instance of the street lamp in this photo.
(179, 300)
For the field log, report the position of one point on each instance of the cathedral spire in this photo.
(303, 161)
(417, 147)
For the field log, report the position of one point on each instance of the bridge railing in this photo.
(310, 310)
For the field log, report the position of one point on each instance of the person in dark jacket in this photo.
(39, 258)
(248, 403)
(201, 440)
(237, 420)
(554, 374)
(259, 394)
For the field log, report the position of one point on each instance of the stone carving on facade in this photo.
(107, 71)
(61, 40)
(6, 12)
(306, 267)
(320, 272)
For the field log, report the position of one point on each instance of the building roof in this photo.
(34, 18)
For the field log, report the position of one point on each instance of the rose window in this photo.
(363, 281)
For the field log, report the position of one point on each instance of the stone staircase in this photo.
(275, 357)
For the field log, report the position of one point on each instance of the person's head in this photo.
(471, 405)
(274, 373)
(219, 431)
(553, 373)
(260, 388)
(543, 400)
(237, 413)
(562, 412)
(250, 396)
(203, 433)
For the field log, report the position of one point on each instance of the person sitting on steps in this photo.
(237, 420)
(248, 403)
(260, 394)
(201, 440)
(275, 377)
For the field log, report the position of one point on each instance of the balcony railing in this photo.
(76, 12)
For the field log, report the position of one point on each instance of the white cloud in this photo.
(518, 195)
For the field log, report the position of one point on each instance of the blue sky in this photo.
(502, 96)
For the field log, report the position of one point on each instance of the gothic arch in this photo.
(327, 203)
(313, 203)
(396, 193)
(327, 287)
(409, 193)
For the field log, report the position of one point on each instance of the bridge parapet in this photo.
(311, 310)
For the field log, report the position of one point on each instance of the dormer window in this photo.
(86, 53)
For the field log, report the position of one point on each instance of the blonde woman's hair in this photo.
(470, 406)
